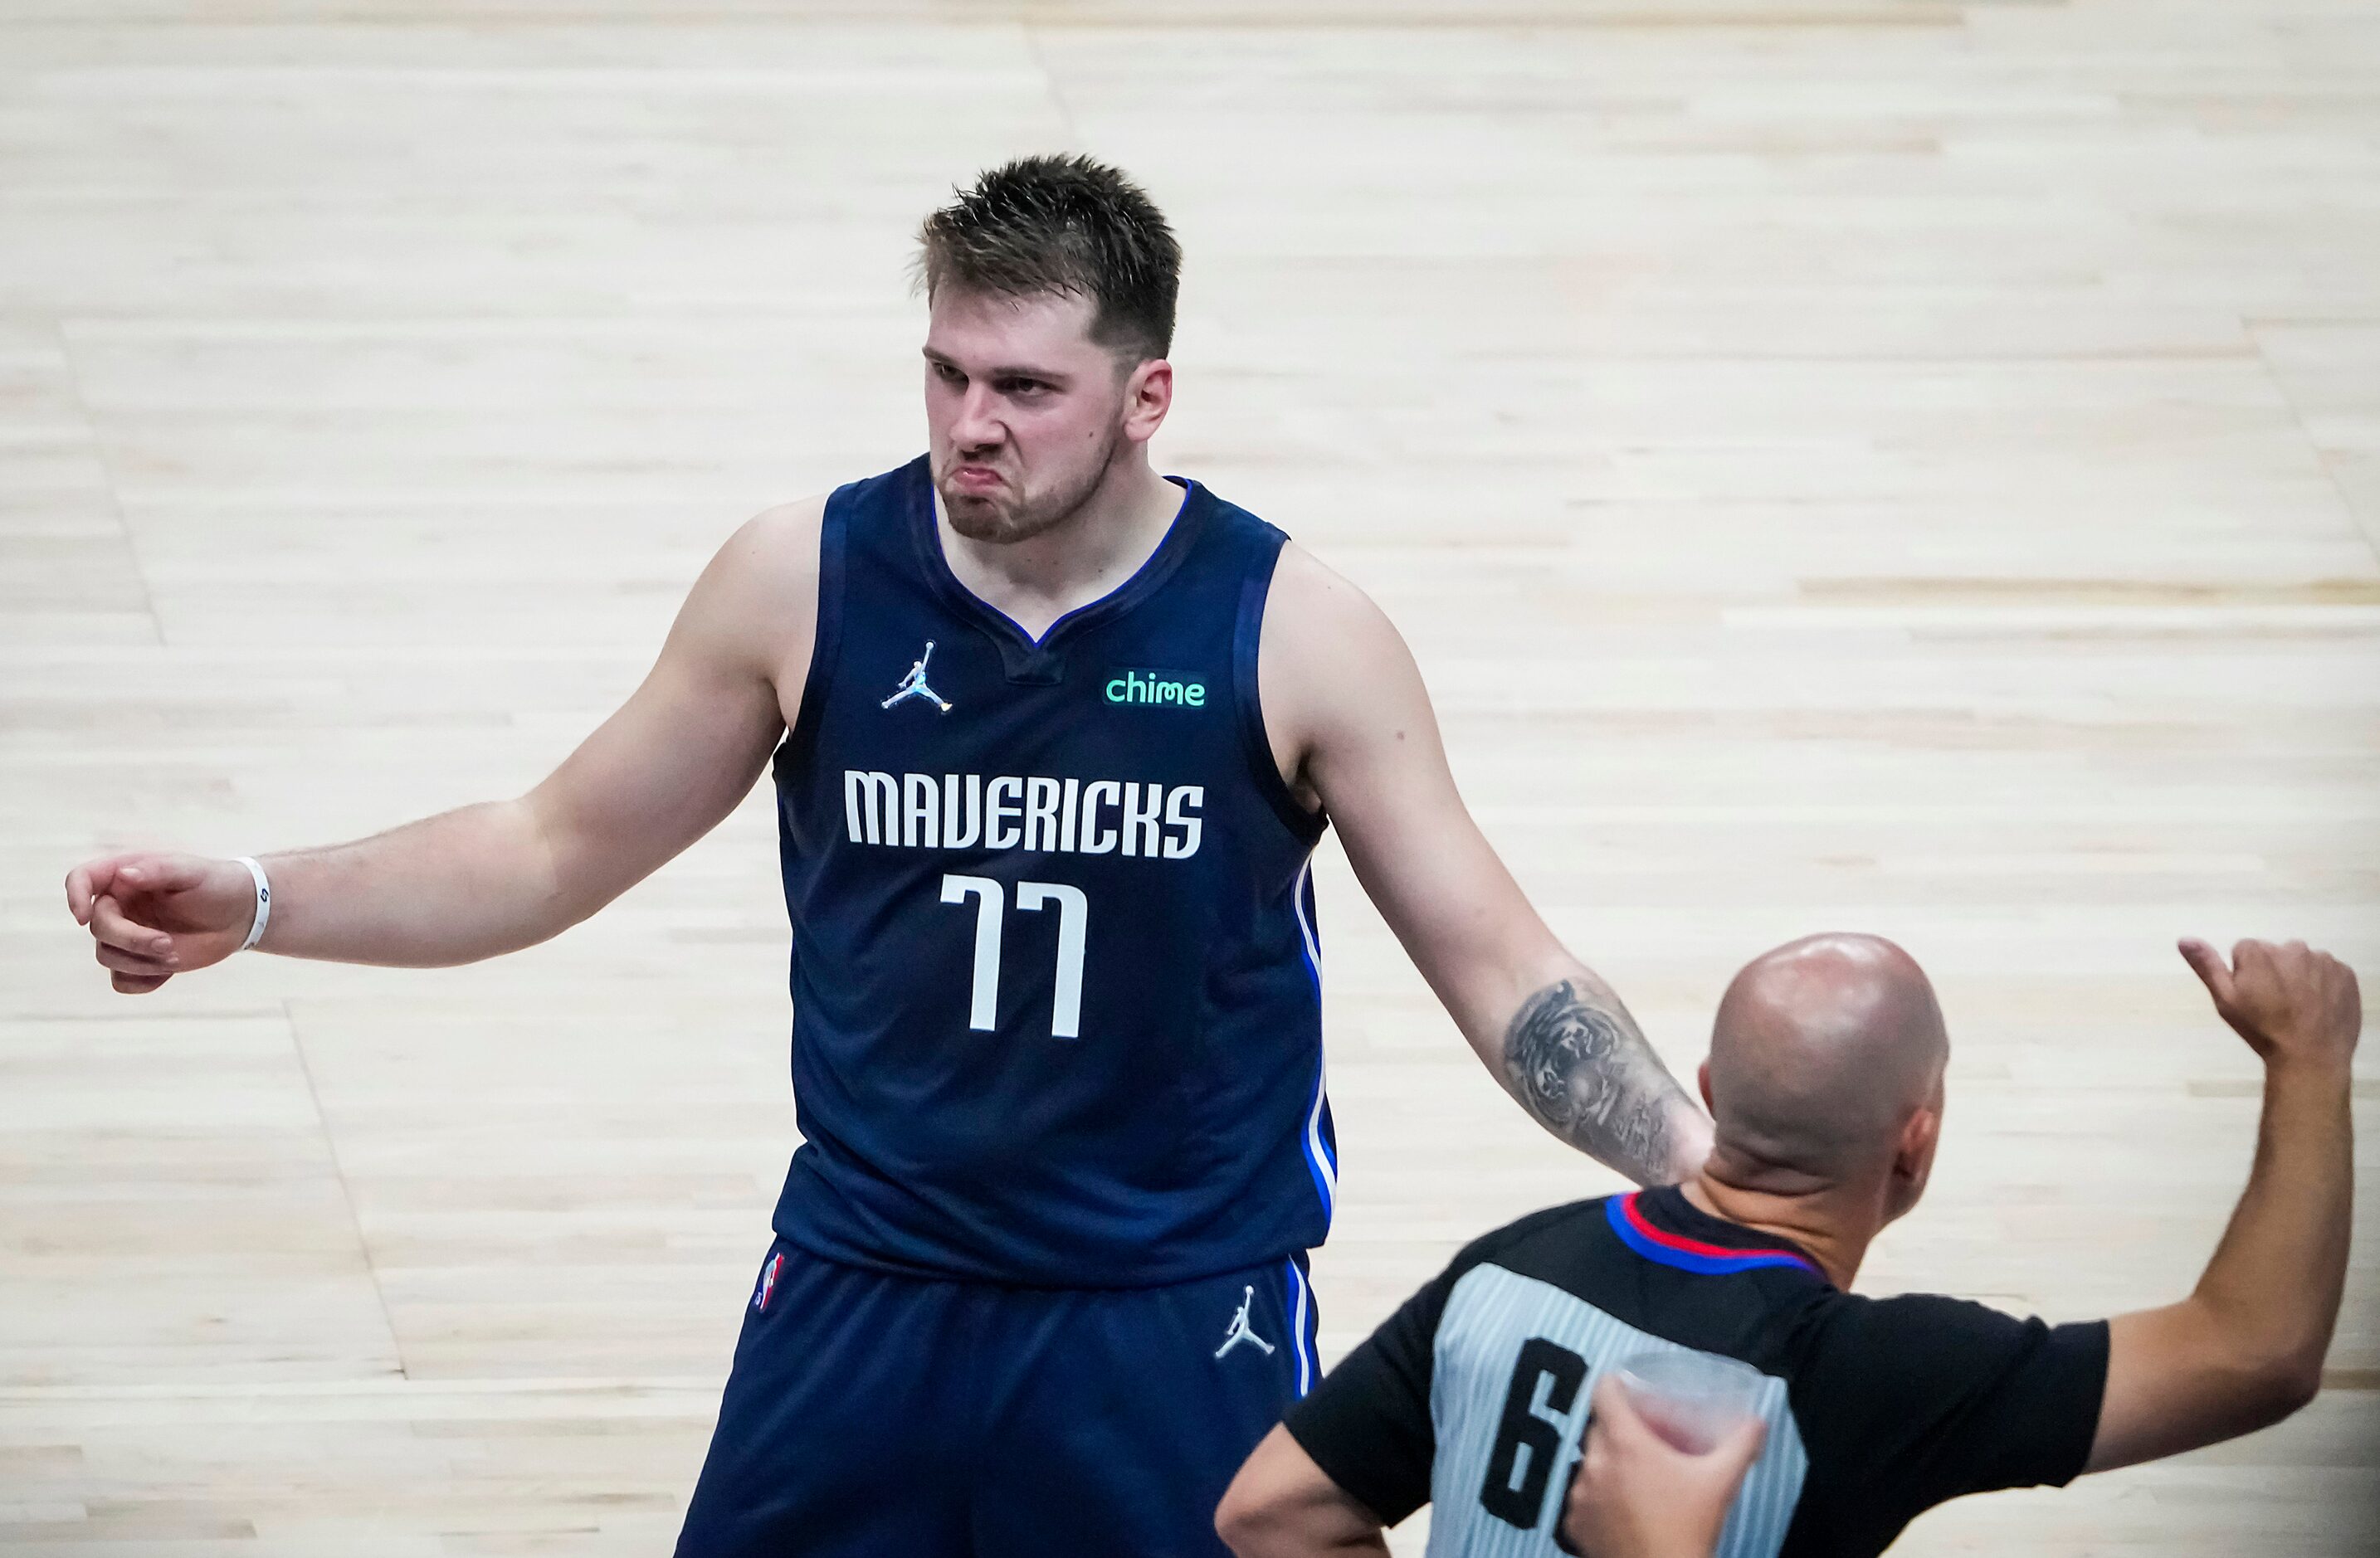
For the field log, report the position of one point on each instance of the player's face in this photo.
(1025, 412)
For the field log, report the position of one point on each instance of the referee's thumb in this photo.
(2212, 971)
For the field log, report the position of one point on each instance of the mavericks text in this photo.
(1009, 812)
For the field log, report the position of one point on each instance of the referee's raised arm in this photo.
(2245, 1350)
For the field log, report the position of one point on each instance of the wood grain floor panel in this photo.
(1914, 467)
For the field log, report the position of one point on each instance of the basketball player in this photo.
(1054, 739)
(1826, 1077)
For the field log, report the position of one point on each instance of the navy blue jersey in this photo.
(1057, 1018)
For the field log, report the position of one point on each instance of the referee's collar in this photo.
(1662, 1226)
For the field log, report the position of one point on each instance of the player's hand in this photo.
(154, 915)
(2289, 1002)
(1635, 1496)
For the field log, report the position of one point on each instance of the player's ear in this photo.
(1147, 396)
(1702, 1082)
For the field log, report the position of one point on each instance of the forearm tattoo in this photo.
(1585, 1071)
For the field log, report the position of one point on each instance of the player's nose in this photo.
(977, 425)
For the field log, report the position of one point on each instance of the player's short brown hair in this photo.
(1065, 226)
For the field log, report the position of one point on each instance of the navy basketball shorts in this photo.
(869, 1414)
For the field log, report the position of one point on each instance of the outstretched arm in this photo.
(502, 874)
(1351, 727)
(2245, 1350)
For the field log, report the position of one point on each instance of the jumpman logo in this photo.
(1241, 1330)
(914, 684)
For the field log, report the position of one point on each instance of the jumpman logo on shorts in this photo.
(1241, 1330)
(914, 684)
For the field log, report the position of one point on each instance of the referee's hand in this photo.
(154, 914)
(1635, 1496)
(2289, 1002)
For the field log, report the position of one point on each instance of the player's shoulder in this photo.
(1303, 580)
(773, 551)
(758, 594)
(783, 535)
(1315, 617)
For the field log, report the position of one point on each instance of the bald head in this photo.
(1821, 1052)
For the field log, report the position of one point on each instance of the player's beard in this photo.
(1002, 521)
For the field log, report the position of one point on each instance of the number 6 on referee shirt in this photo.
(1073, 911)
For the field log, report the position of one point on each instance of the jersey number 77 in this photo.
(990, 909)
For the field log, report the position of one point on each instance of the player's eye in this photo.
(948, 374)
(1023, 389)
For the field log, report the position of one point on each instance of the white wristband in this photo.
(263, 902)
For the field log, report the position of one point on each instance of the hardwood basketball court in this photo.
(1900, 467)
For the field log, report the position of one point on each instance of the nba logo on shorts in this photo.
(768, 1281)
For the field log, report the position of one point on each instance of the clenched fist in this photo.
(154, 915)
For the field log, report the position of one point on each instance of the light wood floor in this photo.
(1883, 464)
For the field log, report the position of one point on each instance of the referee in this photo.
(1825, 1081)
